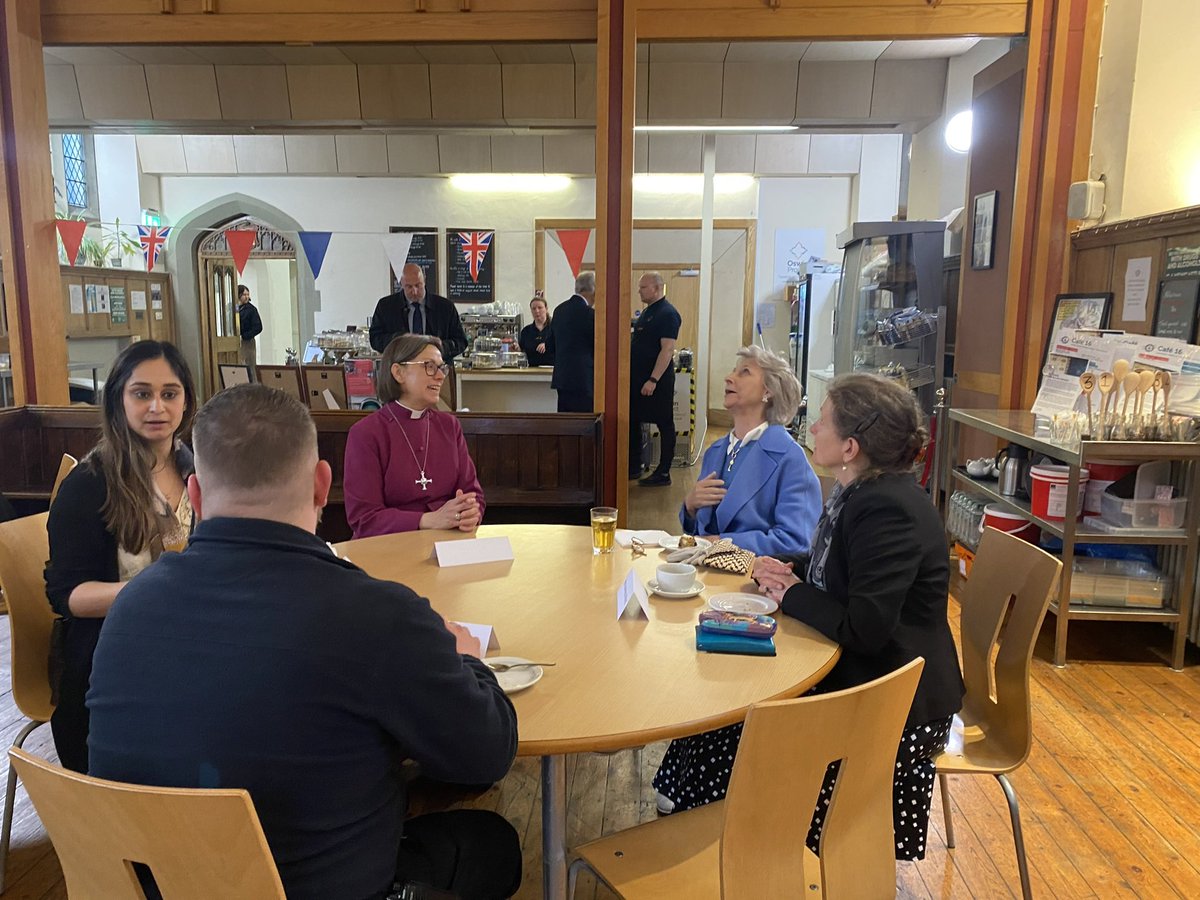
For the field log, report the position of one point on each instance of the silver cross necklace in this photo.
(422, 481)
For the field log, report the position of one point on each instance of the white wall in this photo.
(117, 189)
(273, 292)
(938, 175)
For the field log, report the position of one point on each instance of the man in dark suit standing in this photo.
(415, 311)
(574, 330)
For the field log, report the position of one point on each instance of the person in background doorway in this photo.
(757, 487)
(574, 334)
(252, 327)
(537, 340)
(652, 378)
(118, 511)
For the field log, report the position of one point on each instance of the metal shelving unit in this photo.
(1017, 427)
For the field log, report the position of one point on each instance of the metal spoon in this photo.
(504, 667)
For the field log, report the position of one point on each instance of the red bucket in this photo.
(1013, 523)
(1049, 492)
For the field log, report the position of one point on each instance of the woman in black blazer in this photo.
(878, 580)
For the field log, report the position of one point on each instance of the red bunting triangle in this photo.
(241, 242)
(574, 242)
(71, 231)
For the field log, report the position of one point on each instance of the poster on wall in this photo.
(470, 266)
(795, 247)
(1175, 313)
(97, 298)
(422, 252)
(116, 304)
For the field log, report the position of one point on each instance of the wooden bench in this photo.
(533, 467)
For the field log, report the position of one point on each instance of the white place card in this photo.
(476, 550)
(633, 589)
(485, 634)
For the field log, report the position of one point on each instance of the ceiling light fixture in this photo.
(716, 129)
(519, 183)
(958, 132)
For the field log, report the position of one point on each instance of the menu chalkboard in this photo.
(424, 253)
(1175, 315)
(470, 265)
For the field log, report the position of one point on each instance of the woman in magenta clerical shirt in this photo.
(407, 465)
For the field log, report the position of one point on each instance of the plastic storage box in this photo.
(1119, 513)
(1118, 582)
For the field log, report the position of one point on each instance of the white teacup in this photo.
(676, 577)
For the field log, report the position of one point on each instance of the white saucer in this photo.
(752, 604)
(515, 679)
(694, 591)
(672, 542)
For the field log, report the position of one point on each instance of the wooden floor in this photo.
(1110, 796)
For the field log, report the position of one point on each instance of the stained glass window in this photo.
(76, 171)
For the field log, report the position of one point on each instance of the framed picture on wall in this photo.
(423, 252)
(983, 230)
(1076, 311)
(470, 265)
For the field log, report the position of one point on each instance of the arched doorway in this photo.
(270, 274)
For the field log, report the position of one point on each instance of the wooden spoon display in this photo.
(1157, 387)
(1128, 387)
(1106, 382)
(1166, 391)
(1087, 383)
(1145, 382)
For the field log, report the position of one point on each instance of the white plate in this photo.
(672, 542)
(693, 591)
(515, 679)
(649, 537)
(753, 604)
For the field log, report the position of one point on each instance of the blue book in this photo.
(712, 642)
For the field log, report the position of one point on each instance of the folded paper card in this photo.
(712, 642)
(632, 589)
(477, 550)
(485, 634)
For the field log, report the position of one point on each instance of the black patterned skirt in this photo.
(695, 771)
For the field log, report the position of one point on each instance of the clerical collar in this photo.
(412, 413)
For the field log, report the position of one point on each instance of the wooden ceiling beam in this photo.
(320, 28)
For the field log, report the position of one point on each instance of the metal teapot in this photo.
(1013, 463)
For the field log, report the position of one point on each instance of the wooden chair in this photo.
(320, 379)
(24, 549)
(64, 469)
(197, 843)
(1003, 605)
(752, 843)
(283, 378)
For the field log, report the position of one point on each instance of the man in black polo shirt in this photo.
(258, 659)
(652, 378)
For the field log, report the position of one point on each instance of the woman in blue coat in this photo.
(757, 487)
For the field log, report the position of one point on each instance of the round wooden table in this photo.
(616, 684)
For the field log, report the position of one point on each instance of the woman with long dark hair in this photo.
(118, 511)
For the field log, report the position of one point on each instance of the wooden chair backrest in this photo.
(283, 378)
(784, 751)
(318, 380)
(197, 843)
(24, 549)
(1003, 605)
(65, 467)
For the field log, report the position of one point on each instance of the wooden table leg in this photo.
(554, 827)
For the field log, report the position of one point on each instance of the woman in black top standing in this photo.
(878, 581)
(536, 339)
(115, 514)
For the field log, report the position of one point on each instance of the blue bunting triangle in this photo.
(315, 244)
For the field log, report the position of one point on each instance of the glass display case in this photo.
(890, 318)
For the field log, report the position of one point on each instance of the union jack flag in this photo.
(475, 246)
(153, 240)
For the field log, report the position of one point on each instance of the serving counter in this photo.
(506, 390)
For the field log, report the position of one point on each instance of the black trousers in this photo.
(657, 409)
(574, 401)
(472, 853)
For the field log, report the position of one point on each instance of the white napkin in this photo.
(651, 537)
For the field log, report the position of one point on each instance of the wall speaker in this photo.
(1085, 200)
